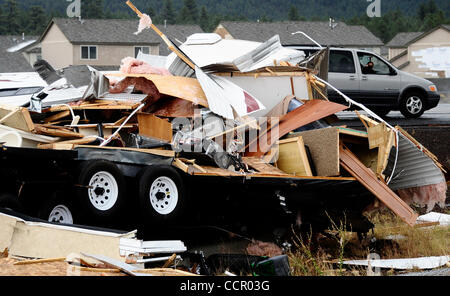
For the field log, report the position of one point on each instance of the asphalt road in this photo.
(439, 116)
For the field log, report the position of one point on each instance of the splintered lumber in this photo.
(154, 127)
(165, 272)
(369, 180)
(67, 144)
(164, 153)
(384, 139)
(293, 158)
(262, 166)
(27, 262)
(57, 116)
(311, 111)
(56, 132)
(16, 117)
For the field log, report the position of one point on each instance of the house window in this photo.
(143, 49)
(88, 52)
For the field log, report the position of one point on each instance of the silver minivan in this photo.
(371, 80)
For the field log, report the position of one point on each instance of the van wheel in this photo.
(162, 194)
(57, 210)
(412, 105)
(10, 202)
(103, 189)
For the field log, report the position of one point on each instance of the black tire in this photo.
(412, 105)
(382, 112)
(11, 202)
(105, 199)
(170, 206)
(58, 209)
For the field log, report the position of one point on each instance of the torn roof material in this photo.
(213, 54)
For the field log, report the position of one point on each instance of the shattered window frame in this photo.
(89, 54)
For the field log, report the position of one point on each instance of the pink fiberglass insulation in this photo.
(140, 84)
(428, 196)
(130, 65)
(144, 23)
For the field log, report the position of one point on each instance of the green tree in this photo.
(36, 20)
(189, 12)
(429, 7)
(92, 9)
(168, 13)
(204, 20)
(2, 22)
(11, 17)
(433, 20)
(293, 14)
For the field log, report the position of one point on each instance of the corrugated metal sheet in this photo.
(414, 168)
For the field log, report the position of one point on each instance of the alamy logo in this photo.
(374, 8)
(74, 8)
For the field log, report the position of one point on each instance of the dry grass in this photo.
(322, 256)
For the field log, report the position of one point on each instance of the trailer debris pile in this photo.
(223, 108)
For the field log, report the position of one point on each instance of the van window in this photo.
(342, 61)
(371, 64)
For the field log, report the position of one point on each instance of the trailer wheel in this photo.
(58, 210)
(9, 201)
(162, 194)
(102, 190)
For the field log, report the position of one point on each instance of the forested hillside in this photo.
(31, 16)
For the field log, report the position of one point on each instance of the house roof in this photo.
(13, 61)
(117, 31)
(341, 35)
(403, 38)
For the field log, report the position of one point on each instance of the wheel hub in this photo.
(103, 191)
(61, 214)
(164, 195)
(414, 105)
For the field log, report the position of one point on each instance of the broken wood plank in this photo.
(16, 117)
(293, 158)
(261, 166)
(56, 132)
(86, 140)
(170, 261)
(28, 262)
(369, 180)
(154, 127)
(181, 165)
(311, 111)
(57, 116)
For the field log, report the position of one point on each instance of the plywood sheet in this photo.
(16, 117)
(324, 147)
(292, 158)
(48, 242)
(154, 127)
(369, 180)
(7, 229)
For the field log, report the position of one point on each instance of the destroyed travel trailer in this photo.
(230, 132)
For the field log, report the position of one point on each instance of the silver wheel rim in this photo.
(414, 105)
(103, 191)
(61, 214)
(163, 195)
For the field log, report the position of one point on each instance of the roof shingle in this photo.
(13, 61)
(403, 38)
(341, 35)
(118, 32)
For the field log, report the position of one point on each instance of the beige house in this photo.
(423, 54)
(101, 42)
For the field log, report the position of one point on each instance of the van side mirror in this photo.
(393, 72)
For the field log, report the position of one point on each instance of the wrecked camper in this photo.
(240, 138)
